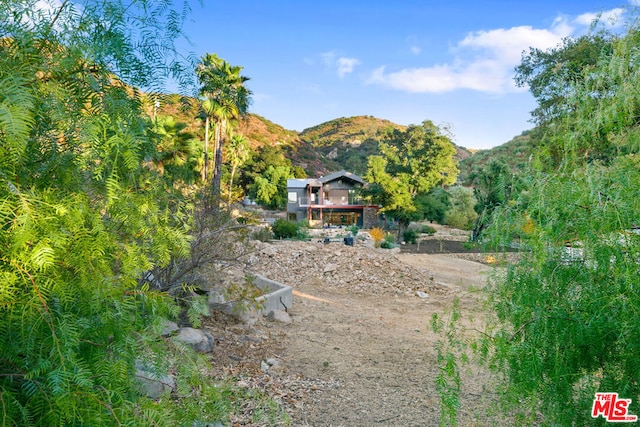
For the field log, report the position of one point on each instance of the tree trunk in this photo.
(233, 172)
(403, 225)
(206, 150)
(217, 167)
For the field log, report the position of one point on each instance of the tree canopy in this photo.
(412, 162)
(568, 310)
(87, 206)
(226, 99)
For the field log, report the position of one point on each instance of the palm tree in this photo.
(177, 150)
(226, 99)
(237, 154)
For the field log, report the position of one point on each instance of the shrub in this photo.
(427, 229)
(387, 245)
(263, 234)
(377, 234)
(390, 238)
(283, 229)
(410, 236)
(354, 230)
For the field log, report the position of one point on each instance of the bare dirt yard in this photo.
(359, 350)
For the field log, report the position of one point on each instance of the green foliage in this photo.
(551, 75)
(178, 151)
(412, 162)
(451, 349)
(410, 236)
(433, 205)
(568, 310)
(427, 229)
(283, 229)
(462, 212)
(494, 186)
(227, 98)
(85, 211)
(263, 234)
(270, 189)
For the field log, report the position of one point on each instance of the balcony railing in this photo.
(304, 201)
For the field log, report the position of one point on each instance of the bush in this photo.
(377, 234)
(410, 236)
(427, 229)
(263, 234)
(387, 245)
(283, 229)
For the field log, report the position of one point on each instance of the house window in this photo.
(293, 197)
(353, 196)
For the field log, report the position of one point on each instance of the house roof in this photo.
(303, 183)
(341, 174)
(300, 183)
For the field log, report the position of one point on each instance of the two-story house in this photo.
(333, 199)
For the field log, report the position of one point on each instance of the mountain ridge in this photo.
(340, 143)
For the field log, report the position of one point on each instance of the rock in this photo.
(247, 315)
(199, 340)
(152, 384)
(271, 364)
(169, 328)
(269, 251)
(422, 295)
(329, 268)
(297, 263)
(279, 316)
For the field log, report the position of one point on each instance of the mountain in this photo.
(343, 143)
(514, 153)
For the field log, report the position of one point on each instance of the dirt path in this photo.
(377, 352)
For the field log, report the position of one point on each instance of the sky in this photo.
(451, 62)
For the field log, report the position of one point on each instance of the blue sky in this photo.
(406, 61)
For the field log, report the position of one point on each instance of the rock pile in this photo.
(356, 268)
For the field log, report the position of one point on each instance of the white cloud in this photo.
(610, 18)
(346, 65)
(484, 60)
(634, 2)
(415, 50)
(341, 65)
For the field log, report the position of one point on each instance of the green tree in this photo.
(256, 166)
(84, 214)
(270, 188)
(412, 162)
(237, 152)
(433, 205)
(493, 186)
(568, 310)
(461, 213)
(551, 74)
(178, 151)
(81, 218)
(226, 99)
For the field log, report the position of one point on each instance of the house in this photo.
(330, 200)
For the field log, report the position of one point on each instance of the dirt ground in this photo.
(362, 359)
(380, 351)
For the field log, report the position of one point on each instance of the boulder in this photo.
(151, 384)
(199, 340)
(279, 316)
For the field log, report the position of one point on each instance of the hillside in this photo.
(515, 153)
(346, 143)
(343, 143)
